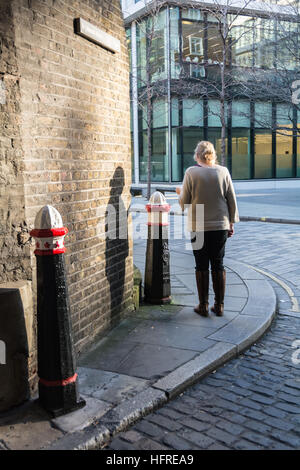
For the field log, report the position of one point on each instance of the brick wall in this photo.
(69, 145)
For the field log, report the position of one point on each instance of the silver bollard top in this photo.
(47, 218)
(157, 199)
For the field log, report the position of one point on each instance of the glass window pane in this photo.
(240, 141)
(174, 42)
(141, 52)
(284, 154)
(159, 164)
(214, 136)
(264, 38)
(287, 45)
(192, 112)
(263, 153)
(240, 114)
(284, 141)
(263, 115)
(175, 112)
(193, 48)
(158, 46)
(191, 137)
(151, 33)
(242, 34)
(143, 152)
(192, 14)
(160, 113)
(214, 113)
(159, 160)
(176, 156)
(214, 44)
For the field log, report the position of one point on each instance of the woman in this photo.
(209, 184)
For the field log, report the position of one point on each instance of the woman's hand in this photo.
(178, 190)
(231, 230)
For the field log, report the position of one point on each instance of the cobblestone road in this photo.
(253, 402)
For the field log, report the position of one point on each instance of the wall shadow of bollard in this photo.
(116, 249)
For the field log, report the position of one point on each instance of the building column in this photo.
(135, 110)
(168, 51)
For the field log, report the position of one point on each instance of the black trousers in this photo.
(212, 252)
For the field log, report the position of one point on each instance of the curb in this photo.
(233, 339)
(269, 219)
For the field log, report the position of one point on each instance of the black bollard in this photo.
(58, 385)
(157, 272)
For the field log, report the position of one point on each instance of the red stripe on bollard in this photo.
(46, 233)
(59, 383)
(158, 208)
(50, 252)
(163, 224)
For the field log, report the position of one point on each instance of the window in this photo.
(284, 141)
(240, 140)
(240, 144)
(191, 137)
(193, 47)
(263, 153)
(298, 143)
(264, 43)
(192, 112)
(263, 140)
(151, 40)
(242, 37)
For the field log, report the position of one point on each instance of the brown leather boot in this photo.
(202, 278)
(219, 282)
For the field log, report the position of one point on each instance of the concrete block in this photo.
(14, 368)
(82, 418)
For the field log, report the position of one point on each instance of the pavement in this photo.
(149, 358)
(160, 351)
(252, 402)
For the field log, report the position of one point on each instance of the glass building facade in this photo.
(176, 59)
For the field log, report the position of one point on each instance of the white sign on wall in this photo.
(96, 35)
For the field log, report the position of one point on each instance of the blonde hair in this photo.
(205, 152)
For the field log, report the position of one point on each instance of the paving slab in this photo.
(109, 386)
(153, 361)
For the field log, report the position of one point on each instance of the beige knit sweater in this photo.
(211, 189)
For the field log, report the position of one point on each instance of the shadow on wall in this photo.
(116, 251)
